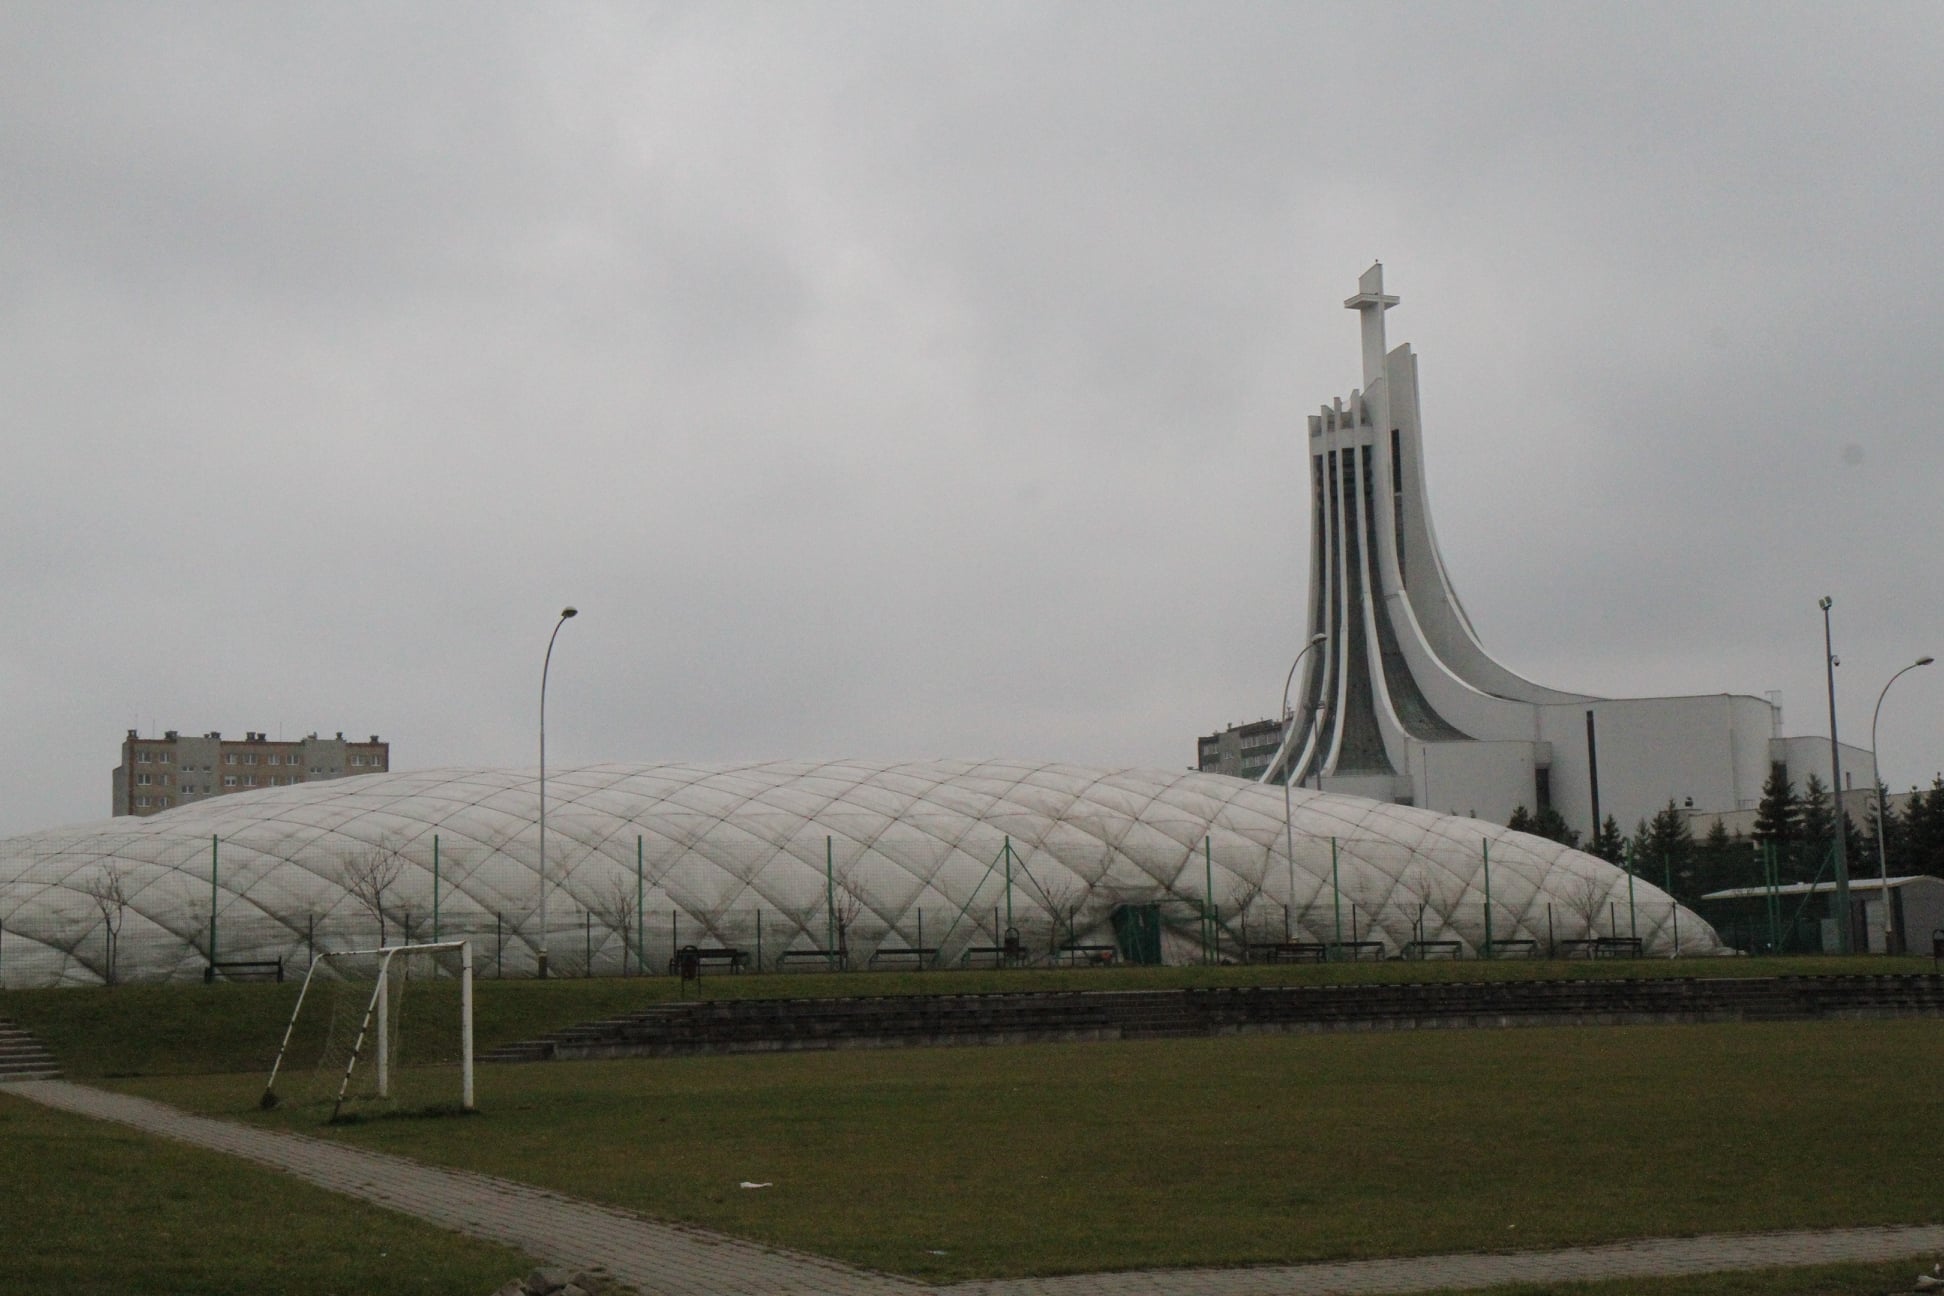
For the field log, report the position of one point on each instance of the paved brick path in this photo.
(681, 1261)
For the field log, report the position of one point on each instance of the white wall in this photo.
(1484, 780)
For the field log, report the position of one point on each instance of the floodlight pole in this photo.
(1289, 837)
(565, 613)
(1839, 851)
(1883, 858)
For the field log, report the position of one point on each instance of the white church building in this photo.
(1401, 702)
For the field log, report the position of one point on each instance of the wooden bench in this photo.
(1287, 952)
(245, 970)
(1001, 955)
(1517, 947)
(1087, 955)
(1355, 951)
(1424, 949)
(1617, 947)
(922, 956)
(837, 960)
(735, 959)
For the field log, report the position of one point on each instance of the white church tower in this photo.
(1401, 701)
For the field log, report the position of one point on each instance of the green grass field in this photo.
(92, 1209)
(957, 1163)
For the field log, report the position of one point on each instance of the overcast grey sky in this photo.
(901, 380)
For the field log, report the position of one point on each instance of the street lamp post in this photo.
(1289, 836)
(1839, 851)
(1883, 858)
(565, 613)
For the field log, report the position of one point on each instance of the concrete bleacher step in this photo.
(23, 1058)
(723, 1026)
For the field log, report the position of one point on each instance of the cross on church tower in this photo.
(1370, 299)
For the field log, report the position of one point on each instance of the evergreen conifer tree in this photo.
(1924, 830)
(1720, 860)
(1520, 821)
(1816, 828)
(1667, 854)
(1550, 824)
(1610, 844)
(1776, 818)
(1893, 833)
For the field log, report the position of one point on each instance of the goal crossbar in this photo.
(377, 1008)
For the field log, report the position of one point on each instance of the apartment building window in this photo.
(229, 758)
(163, 802)
(142, 802)
(141, 758)
(249, 758)
(142, 780)
(229, 780)
(273, 759)
(164, 757)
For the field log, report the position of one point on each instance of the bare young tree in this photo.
(1243, 892)
(617, 902)
(368, 875)
(1062, 897)
(109, 891)
(1583, 898)
(846, 903)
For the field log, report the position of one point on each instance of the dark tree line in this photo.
(1797, 828)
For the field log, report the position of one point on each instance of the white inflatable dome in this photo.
(780, 856)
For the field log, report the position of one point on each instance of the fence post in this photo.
(212, 906)
(641, 937)
(1633, 920)
(830, 906)
(1208, 896)
(1009, 917)
(499, 946)
(1485, 847)
(1336, 897)
(435, 887)
(759, 938)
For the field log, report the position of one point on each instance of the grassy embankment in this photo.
(158, 1029)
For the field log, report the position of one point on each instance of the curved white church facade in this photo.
(938, 854)
(1401, 701)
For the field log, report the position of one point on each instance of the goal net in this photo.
(384, 1030)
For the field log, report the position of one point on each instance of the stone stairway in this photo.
(779, 1025)
(22, 1057)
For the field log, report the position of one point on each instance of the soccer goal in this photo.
(363, 1016)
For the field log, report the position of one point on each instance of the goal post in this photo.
(389, 968)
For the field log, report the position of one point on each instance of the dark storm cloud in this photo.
(929, 380)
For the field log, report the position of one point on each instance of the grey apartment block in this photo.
(157, 774)
(1243, 751)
